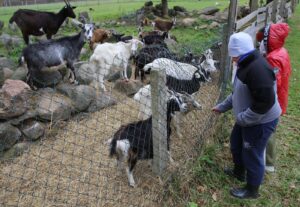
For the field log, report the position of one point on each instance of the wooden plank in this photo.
(252, 30)
(261, 18)
(240, 23)
(159, 121)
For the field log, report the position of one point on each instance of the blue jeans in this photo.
(247, 146)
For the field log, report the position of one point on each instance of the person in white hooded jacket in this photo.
(256, 111)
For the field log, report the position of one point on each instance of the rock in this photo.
(209, 10)
(213, 25)
(204, 26)
(5, 73)
(47, 78)
(128, 87)
(188, 22)
(13, 27)
(84, 73)
(7, 63)
(20, 74)
(84, 17)
(101, 101)
(1, 25)
(221, 16)
(115, 74)
(16, 150)
(32, 130)
(179, 9)
(53, 106)
(13, 99)
(81, 95)
(9, 135)
(29, 114)
(148, 3)
(207, 17)
(10, 41)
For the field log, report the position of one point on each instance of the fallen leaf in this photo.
(214, 196)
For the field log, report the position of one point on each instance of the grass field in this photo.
(105, 9)
(206, 185)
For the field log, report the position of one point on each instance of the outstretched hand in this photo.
(216, 110)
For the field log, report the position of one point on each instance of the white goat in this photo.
(109, 55)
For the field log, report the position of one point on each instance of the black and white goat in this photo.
(133, 142)
(57, 52)
(38, 23)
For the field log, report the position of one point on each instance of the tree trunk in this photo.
(164, 4)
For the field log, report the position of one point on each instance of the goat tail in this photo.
(12, 19)
(113, 147)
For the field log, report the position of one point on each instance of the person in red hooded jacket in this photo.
(272, 39)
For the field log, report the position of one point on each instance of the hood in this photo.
(277, 35)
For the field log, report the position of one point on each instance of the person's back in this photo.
(273, 37)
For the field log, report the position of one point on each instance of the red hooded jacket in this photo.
(278, 57)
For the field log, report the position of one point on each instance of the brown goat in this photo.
(163, 25)
(99, 36)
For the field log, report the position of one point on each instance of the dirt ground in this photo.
(73, 168)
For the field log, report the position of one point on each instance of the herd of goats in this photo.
(132, 142)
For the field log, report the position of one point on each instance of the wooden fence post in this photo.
(159, 120)
(228, 29)
(274, 11)
(253, 5)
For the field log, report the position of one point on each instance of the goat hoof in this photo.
(132, 185)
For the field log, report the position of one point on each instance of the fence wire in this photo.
(66, 162)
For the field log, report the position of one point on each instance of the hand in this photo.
(216, 110)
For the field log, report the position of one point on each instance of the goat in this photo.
(99, 35)
(38, 23)
(109, 55)
(163, 25)
(121, 37)
(148, 54)
(50, 53)
(134, 141)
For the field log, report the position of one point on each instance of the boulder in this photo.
(101, 101)
(7, 63)
(29, 114)
(52, 106)
(13, 99)
(5, 73)
(221, 16)
(10, 41)
(20, 74)
(188, 22)
(207, 17)
(179, 9)
(81, 95)
(16, 150)
(84, 73)
(209, 10)
(47, 78)
(213, 25)
(9, 135)
(32, 130)
(128, 87)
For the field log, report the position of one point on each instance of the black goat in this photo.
(149, 53)
(121, 37)
(50, 53)
(134, 141)
(155, 38)
(38, 23)
(188, 86)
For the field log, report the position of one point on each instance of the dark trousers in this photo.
(247, 148)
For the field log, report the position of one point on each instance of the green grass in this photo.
(206, 184)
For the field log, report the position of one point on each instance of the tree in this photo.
(164, 4)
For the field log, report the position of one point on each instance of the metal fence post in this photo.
(159, 120)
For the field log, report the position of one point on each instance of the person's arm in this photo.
(224, 106)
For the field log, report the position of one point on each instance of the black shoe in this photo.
(236, 173)
(248, 192)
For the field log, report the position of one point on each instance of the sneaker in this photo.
(269, 169)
